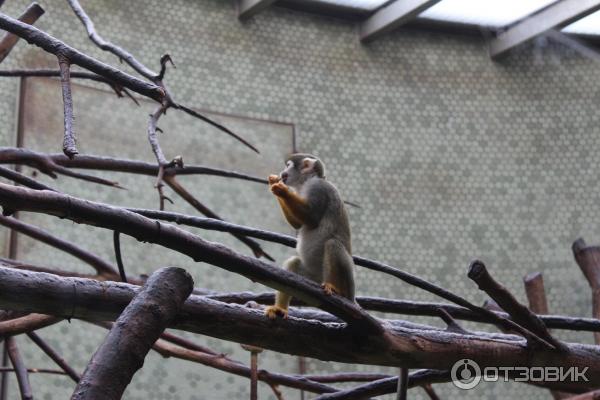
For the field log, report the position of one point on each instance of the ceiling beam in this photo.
(249, 8)
(556, 16)
(391, 17)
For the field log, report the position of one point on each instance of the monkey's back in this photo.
(331, 222)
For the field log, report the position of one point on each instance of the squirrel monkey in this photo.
(313, 206)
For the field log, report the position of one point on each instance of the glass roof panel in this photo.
(589, 25)
(359, 4)
(495, 13)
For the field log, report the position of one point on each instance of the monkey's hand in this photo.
(273, 311)
(279, 189)
(330, 289)
(273, 179)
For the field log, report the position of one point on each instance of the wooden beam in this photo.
(392, 16)
(557, 15)
(249, 8)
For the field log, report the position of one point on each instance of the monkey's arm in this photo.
(291, 219)
(294, 207)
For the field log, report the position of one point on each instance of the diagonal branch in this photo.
(519, 313)
(123, 351)
(24, 180)
(20, 369)
(217, 125)
(69, 143)
(191, 199)
(31, 14)
(108, 46)
(82, 211)
(56, 47)
(101, 266)
(50, 352)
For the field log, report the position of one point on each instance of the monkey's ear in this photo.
(307, 165)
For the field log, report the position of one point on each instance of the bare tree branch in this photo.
(69, 142)
(536, 295)
(194, 202)
(119, 90)
(20, 369)
(31, 14)
(23, 179)
(388, 385)
(56, 47)
(101, 266)
(521, 314)
(50, 352)
(49, 163)
(108, 46)
(14, 198)
(27, 323)
(412, 347)
(588, 259)
(223, 128)
(132, 336)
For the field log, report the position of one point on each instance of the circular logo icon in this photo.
(465, 374)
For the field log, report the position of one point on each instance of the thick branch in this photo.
(400, 346)
(588, 259)
(56, 47)
(82, 211)
(122, 353)
(32, 14)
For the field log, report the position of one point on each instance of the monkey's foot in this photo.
(330, 289)
(273, 179)
(273, 311)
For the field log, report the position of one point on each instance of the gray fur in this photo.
(324, 242)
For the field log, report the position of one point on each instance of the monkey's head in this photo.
(300, 167)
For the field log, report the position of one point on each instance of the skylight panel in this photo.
(495, 13)
(359, 4)
(589, 25)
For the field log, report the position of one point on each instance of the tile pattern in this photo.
(452, 157)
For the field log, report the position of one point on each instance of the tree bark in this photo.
(401, 344)
(132, 336)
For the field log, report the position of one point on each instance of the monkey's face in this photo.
(299, 168)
